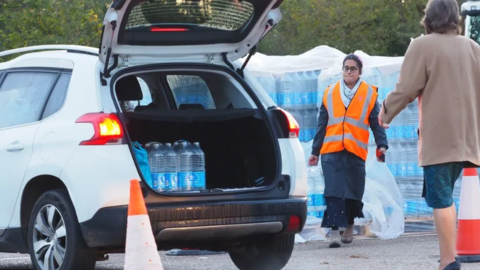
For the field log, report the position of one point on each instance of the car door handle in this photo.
(16, 146)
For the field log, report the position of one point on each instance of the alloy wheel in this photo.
(49, 238)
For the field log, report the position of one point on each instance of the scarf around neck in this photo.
(347, 93)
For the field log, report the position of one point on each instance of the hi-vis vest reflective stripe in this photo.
(347, 128)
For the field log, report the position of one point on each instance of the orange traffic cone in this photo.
(141, 250)
(468, 234)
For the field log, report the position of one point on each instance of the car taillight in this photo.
(293, 126)
(106, 126)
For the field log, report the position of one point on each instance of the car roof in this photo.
(66, 58)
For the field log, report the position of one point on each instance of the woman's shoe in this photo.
(335, 239)
(334, 244)
(452, 266)
(347, 239)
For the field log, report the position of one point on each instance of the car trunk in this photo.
(238, 146)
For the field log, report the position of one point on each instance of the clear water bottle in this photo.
(198, 167)
(155, 159)
(171, 173)
(305, 90)
(310, 123)
(286, 95)
(412, 163)
(313, 78)
(310, 189)
(392, 162)
(148, 147)
(406, 125)
(401, 144)
(268, 83)
(298, 89)
(402, 169)
(311, 208)
(184, 165)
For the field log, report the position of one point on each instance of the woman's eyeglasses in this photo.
(352, 69)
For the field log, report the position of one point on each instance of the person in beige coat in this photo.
(442, 69)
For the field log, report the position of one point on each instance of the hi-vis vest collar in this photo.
(348, 128)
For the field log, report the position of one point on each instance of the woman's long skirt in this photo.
(344, 175)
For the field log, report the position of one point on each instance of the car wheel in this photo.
(55, 241)
(269, 253)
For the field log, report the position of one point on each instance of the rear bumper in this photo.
(200, 222)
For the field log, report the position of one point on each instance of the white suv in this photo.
(67, 128)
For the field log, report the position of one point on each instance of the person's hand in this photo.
(313, 160)
(383, 151)
(380, 121)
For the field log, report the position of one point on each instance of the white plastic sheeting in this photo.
(324, 58)
(383, 201)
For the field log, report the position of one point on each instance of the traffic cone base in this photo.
(468, 232)
(141, 249)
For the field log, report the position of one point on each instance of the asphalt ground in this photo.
(407, 252)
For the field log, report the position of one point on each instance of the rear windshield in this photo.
(229, 15)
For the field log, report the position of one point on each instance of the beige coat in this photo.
(443, 71)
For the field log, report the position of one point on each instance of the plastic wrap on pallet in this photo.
(383, 201)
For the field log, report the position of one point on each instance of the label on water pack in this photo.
(171, 181)
(411, 169)
(287, 99)
(301, 135)
(158, 181)
(319, 200)
(297, 98)
(310, 200)
(402, 169)
(198, 179)
(306, 98)
(185, 180)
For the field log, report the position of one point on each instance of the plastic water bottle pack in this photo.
(315, 190)
(177, 168)
(296, 92)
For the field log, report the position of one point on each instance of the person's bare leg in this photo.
(445, 223)
(454, 213)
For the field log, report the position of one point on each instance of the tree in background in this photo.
(35, 22)
(377, 27)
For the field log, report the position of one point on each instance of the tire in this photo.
(65, 248)
(269, 253)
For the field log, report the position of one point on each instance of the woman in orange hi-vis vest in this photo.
(349, 109)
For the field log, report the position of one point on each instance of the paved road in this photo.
(399, 254)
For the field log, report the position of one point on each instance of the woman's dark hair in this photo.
(441, 16)
(354, 58)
